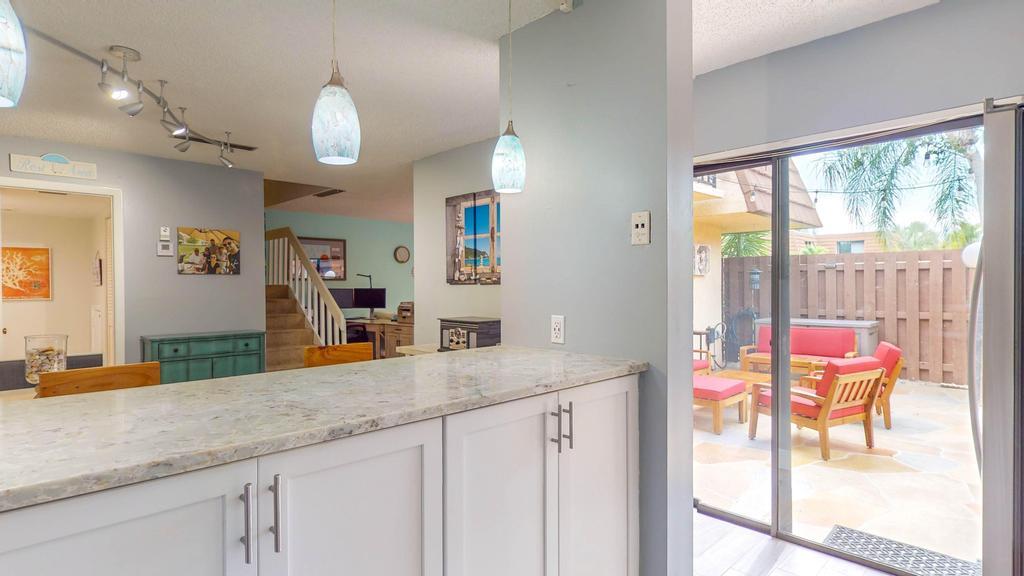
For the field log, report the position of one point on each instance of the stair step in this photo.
(285, 358)
(286, 321)
(277, 291)
(290, 337)
(281, 306)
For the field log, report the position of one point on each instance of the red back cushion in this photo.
(844, 366)
(888, 354)
(828, 342)
(764, 338)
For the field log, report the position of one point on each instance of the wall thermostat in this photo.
(163, 243)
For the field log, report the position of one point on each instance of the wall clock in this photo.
(402, 254)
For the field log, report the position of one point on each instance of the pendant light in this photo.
(508, 164)
(13, 58)
(336, 135)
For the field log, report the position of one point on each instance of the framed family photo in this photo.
(206, 251)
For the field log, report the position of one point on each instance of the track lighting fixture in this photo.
(103, 85)
(134, 108)
(126, 54)
(185, 144)
(182, 128)
(225, 147)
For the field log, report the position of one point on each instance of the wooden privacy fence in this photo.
(920, 300)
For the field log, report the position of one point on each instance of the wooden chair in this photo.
(845, 393)
(337, 354)
(703, 361)
(83, 380)
(891, 358)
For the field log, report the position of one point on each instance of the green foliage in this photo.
(874, 178)
(912, 237)
(964, 234)
(812, 249)
(738, 244)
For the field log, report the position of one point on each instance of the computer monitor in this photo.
(369, 298)
(343, 296)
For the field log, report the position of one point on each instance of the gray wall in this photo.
(458, 171)
(954, 53)
(173, 193)
(591, 106)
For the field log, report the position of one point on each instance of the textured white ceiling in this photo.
(424, 75)
(729, 31)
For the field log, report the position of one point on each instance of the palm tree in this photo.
(912, 237)
(963, 235)
(873, 178)
(738, 244)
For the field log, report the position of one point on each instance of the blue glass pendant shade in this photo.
(336, 134)
(13, 58)
(508, 165)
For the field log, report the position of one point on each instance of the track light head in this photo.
(225, 147)
(133, 109)
(180, 129)
(227, 163)
(103, 85)
(183, 146)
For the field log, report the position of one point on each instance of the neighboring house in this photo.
(849, 243)
(731, 202)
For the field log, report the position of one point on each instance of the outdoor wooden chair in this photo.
(338, 354)
(82, 380)
(703, 361)
(891, 358)
(845, 393)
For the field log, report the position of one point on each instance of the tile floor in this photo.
(724, 549)
(919, 485)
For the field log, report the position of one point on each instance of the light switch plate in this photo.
(557, 329)
(640, 228)
(164, 248)
(165, 233)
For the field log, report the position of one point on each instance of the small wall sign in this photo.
(53, 165)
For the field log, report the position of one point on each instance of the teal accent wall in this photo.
(369, 249)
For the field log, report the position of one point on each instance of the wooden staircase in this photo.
(301, 311)
(288, 332)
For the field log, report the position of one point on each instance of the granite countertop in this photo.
(52, 448)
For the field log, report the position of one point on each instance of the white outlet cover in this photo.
(557, 329)
(640, 228)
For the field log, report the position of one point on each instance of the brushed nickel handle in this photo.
(276, 528)
(558, 437)
(571, 435)
(246, 539)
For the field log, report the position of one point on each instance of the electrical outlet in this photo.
(557, 329)
(640, 228)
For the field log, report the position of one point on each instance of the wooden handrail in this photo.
(292, 267)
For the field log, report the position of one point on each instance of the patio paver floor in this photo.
(919, 485)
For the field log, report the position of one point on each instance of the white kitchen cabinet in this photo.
(517, 503)
(185, 524)
(598, 469)
(501, 484)
(370, 504)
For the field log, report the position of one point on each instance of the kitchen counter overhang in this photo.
(66, 446)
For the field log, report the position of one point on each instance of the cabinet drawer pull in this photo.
(571, 434)
(276, 528)
(246, 539)
(558, 436)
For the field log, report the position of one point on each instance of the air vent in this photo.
(52, 193)
(328, 192)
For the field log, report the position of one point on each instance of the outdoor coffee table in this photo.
(747, 376)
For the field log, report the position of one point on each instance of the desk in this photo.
(386, 335)
(417, 349)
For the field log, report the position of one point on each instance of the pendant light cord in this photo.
(510, 60)
(334, 30)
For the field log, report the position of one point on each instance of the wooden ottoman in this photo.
(717, 393)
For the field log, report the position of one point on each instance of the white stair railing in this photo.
(288, 265)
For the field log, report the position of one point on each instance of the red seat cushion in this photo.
(700, 364)
(888, 355)
(812, 341)
(714, 388)
(844, 366)
(807, 408)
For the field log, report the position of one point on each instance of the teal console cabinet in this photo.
(185, 357)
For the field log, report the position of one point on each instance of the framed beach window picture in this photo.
(473, 238)
(27, 273)
(327, 255)
(209, 251)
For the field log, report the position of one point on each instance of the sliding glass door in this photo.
(850, 307)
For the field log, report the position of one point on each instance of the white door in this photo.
(501, 497)
(367, 505)
(186, 524)
(598, 472)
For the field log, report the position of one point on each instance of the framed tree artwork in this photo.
(473, 238)
(27, 273)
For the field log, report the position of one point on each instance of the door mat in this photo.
(898, 555)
